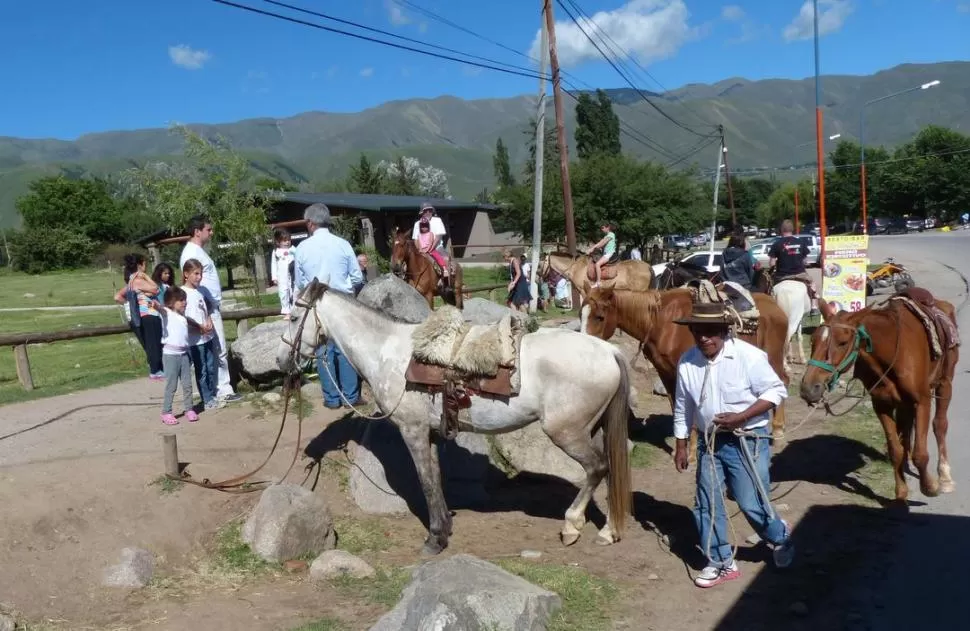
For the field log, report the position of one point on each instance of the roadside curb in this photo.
(963, 279)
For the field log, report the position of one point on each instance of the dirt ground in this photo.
(76, 488)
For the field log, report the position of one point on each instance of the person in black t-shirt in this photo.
(787, 257)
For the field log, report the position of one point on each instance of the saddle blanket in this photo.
(940, 329)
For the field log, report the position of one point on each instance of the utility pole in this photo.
(567, 195)
(540, 146)
(717, 185)
(727, 178)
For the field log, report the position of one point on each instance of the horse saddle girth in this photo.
(435, 377)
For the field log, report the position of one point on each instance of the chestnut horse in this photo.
(632, 275)
(649, 317)
(417, 269)
(890, 351)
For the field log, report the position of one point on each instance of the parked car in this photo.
(898, 225)
(759, 251)
(877, 225)
(930, 223)
(711, 260)
(676, 242)
(915, 223)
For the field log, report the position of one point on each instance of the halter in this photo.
(295, 350)
(861, 337)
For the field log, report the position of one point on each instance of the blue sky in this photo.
(73, 67)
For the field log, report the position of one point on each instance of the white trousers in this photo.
(224, 388)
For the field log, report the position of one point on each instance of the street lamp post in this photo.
(805, 144)
(862, 144)
(820, 156)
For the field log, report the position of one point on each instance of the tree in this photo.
(780, 205)
(597, 126)
(85, 206)
(502, 166)
(407, 176)
(215, 182)
(364, 178)
(517, 202)
(37, 250)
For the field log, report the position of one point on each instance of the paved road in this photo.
(922, 579)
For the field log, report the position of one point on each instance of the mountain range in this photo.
(764, 122)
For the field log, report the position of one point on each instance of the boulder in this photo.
(254, 354)
(482, 311)
(393, 296)
(464, 593)
(530, 450)
(7, 623)
(336, 563)
(384, 480)
(134, 571)
(658, 388)
(289, 522)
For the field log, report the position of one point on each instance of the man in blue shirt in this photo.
(327, 257)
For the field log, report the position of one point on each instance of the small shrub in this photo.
(38, 250)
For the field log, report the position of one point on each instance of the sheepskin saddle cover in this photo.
(474, 350)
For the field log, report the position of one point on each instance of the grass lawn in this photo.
(59, 289)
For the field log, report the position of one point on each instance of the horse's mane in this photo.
(644, 305)
(353, 299)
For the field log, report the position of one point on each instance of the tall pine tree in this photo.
(502, 166)
(364, 178)
(597, 126)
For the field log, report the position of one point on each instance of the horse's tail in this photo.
(616, 420)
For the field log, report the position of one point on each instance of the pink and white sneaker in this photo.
(711, 575)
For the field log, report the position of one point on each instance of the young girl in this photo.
(201, 348)
(280, 272)
(608, 243)
(175, 355)
(164, 277)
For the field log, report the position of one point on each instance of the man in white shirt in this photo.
(327, 257)
(726, 389)
(437, 227)
(200, 233)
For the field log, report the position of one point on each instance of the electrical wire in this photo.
(768, 169)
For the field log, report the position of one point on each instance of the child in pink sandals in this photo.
(175, 355)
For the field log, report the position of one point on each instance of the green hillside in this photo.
(763, 121)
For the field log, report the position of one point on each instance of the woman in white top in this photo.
(175, 355)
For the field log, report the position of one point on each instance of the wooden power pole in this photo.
(567, 195)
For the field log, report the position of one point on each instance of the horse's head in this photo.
(836, 345)
(400, 243)
(598, 313)
(304, 332)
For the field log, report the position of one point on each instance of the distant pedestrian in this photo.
(200, 233)
(280, 273)
(175, 356)
(140, 293)
(202, 347)
(330, 259)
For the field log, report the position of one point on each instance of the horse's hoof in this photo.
(947, 487)
(569, 539)
(431, 549)
(604, 541)
(778, 434)
(929, 491)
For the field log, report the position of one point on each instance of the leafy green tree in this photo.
(85, 206)
(365, 178)
(267, 183)
(780, 205)
(41, 249)
(517, 201)
(597, 126)
(502, 166)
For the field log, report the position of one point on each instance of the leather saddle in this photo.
(922, 302)
(607, 272)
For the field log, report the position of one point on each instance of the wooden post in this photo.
(155, 254)
(242, 328)
(171, 450)
(23, 367)
(367, 233)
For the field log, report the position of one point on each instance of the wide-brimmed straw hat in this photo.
(706, 313)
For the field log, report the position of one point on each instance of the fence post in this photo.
(23, 367)
(170, 447)
(242, 327)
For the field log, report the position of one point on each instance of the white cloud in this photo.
(832, 14)
(187, 57)
(367, 72)
(732, 13)
(963, 7)
(647, 29)
(396, 14)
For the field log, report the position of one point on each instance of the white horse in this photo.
(792, 297)
(577, 386)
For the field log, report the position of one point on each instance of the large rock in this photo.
(658, 388)
(482, 311)
(384, 480)
(7, 623)
(254, 354)
(464, 593)
(395, 297)
(134, 571)
(289, 522)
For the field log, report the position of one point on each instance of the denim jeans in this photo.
(730, 467)
(206, 364)
(340, 368)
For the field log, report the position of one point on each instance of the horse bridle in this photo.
(295, 350)
(860, 338)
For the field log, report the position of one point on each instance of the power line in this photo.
(766, 169)
(628, 55)
(703, 144)
(522, 73)
(625, 78)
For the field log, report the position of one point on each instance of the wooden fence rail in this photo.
(19, 341)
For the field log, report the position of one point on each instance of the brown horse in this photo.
(632, 275)
(419, 271)
(891, 354)
(649, 317)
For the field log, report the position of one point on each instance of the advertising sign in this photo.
(844, 273)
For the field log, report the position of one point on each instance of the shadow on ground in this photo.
(862, 568)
